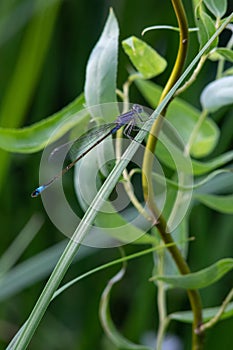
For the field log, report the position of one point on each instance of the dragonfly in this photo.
(128, 119)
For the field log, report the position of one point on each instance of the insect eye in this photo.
(137, 108)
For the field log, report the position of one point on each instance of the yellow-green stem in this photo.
(220, 312)
(193, 295)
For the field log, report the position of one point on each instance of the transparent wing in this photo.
(73, 149)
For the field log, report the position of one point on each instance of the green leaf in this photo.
(145, 59)
(223, 204)
(217, 94)
(228, 71)
(217, 7)
(118, 340)
(100, 84)
(200, 279)
(208, 313)
(200, 168)
(206, 28)
(221, 53)
(203, 181)
(35, 137)
(183, 117)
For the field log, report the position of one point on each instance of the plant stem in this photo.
(161, 300)
(193, 295)
(217, 317)
(193, 76)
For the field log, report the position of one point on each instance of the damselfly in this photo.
(129, 119)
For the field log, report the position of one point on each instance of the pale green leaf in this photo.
(208, 313)
(200, 279)
(144, 58)
(217, 7)
(217, 94)
(200, 168)
(100, 84)
(221, 53)
(199, 183)
(228, 71)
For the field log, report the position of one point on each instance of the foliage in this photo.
(195, 168)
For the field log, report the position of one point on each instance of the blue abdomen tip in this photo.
(38, 191)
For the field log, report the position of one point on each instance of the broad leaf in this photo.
(217, 94)
(144, 58)
(200, 279)
(206, 28)
(217, 7)
(100, 84)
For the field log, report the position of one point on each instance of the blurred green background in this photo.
(44, 47)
